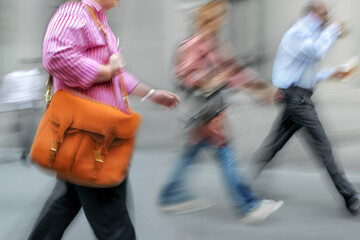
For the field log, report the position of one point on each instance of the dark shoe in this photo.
(23, 156)
(25, 159)
(353, 205)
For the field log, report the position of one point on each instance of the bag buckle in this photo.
(54, 146)
(52, 152)
(98, 157)
(48, 95)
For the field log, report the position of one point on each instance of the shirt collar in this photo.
(311, 22)
(94, 4)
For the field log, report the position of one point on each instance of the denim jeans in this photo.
(174, 191)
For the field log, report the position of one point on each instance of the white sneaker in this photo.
(186, 207)
(259, 214)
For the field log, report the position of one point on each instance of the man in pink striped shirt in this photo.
(84, 58)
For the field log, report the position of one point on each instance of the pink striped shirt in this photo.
(198, 57)
(74, 48)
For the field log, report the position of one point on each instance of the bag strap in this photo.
(49, 82)
(123, 89)
(48, 95)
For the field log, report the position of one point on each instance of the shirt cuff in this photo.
(334, 29)
(130, 81)
(324, 74)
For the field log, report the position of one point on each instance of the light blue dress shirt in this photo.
(302, 46)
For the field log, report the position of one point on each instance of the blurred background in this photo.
(149, 33)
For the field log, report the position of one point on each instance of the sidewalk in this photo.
(312, 209)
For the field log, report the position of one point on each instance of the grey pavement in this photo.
(312, 208)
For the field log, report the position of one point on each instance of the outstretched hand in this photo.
(165, 98)
(279, 95)
(341, 75)
(261, 91)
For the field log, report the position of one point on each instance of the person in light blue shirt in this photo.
(301, 48)
(294, 73)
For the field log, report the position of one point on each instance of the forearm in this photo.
(255, 85)
(161, 97)
(261, 90)
(325, 74)
(319, 48)
(141, 90)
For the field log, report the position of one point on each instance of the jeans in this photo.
(174, 191)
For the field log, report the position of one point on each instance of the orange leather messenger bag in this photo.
(85, 142)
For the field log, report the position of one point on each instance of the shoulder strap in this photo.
(94, 16)
(123, 89)
(48, 95)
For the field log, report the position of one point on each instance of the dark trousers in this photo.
(299, 112)
(105, 209)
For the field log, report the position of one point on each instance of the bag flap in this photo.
(92, 116)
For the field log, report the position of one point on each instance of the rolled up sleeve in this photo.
(64, 50)
(130, 80)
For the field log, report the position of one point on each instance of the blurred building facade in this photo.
(149, 32)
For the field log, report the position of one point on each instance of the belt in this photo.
(307, 92)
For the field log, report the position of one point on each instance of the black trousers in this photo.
(105, 209)
(299, 112)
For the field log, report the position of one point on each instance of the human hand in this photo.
(109, 70)
(341, 75)
(338, 75)
(265, 96)
(165, 98)
(278, 96)
(344, 30)
(345, 71)
(215, 130)
(115, 64)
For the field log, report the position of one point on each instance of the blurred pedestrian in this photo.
(20, 92)
(84, 58)
(205, 66)
(294, 73)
